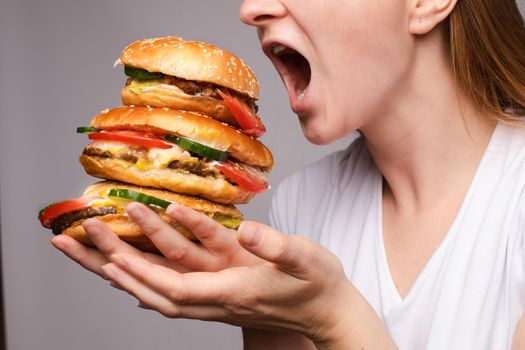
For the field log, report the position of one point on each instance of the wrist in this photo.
(353, 324)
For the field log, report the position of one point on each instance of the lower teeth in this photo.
(301, 96)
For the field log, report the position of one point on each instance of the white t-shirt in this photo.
(471, 293)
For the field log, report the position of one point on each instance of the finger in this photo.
(190, 288)
(171, 243)
(106, 240)
(131, 285)
(109, 243)
(215, 237)
(287, 252)
(89, 258)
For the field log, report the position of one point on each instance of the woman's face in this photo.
(342, 60)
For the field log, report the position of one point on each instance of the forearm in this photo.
(255, 339)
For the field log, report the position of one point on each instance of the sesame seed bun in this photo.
(130, 232)
(192, 60)
(193, 126)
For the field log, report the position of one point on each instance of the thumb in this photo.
(273, 246)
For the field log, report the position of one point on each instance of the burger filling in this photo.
(151, 151)
(60, 216)
(174, 158)
(144, 158)
(141, 82)
(65, 220)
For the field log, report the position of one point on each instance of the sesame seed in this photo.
(105, 111)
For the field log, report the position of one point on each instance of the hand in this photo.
(218, 249)
(277, 282)
(297, 285)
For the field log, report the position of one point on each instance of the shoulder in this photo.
(507, 166)
(510, 142)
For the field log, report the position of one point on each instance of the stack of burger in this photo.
(187, 133)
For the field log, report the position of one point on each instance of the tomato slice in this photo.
(240, 176)
(250, 123)
(50, 213)
(145, 139)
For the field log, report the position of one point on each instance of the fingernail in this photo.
(249, 234)
(57, 243)
(173, 209)
(110, 271)
(134, 210)
(91, 227)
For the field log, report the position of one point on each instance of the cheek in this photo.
(362, 65)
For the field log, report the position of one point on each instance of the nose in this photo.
(258, 12)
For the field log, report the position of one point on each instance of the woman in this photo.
(425, 211)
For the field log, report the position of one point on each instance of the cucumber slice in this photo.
(198, 148)
(86, 129)
(138, 197)
(141, 74)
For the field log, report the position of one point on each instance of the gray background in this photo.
(56, 72)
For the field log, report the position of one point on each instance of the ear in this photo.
(425, 15)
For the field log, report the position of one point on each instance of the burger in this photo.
(179, 151)
(187, 133)
(193, 76)
(107, 200)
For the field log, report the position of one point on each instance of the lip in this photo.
(299, 107)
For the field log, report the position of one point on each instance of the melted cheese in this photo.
(156, 158)
(161, 158)
(112, 147)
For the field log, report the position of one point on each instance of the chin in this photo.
(318, 134)
(323, 132)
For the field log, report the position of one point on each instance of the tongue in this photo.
(298, 69)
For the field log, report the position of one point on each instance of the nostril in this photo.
(262, 18)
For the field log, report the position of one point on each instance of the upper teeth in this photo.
(278, 49)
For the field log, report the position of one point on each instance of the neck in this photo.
(429, 138)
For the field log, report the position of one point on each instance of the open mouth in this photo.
(293, 67)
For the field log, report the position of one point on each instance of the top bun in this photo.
(192, 60)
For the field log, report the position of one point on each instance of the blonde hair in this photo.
(487, 47)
